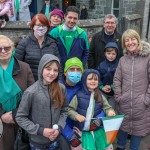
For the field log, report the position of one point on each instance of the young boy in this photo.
(107, 69)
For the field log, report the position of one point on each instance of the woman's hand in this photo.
(80, 118)
(7, 118)
(111, 113)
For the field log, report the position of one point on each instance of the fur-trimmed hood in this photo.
(144, 50)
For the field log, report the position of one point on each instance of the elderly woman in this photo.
(38, 43)
(56, 18)
(132, 90)
(15, 77)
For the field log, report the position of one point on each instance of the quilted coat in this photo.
(132, 91)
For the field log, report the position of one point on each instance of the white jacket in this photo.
(24, 13)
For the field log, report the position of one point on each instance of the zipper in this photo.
(131, 90)
(50, 107)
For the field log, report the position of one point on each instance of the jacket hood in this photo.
(111, 44)
(44, 60)
(84, 78)
(144, 50)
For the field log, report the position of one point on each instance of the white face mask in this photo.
(40, 30)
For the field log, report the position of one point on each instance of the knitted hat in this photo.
(57, 12)
(73, 62)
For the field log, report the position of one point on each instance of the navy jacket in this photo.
(51, 8)
(83, 97)
(107, 70)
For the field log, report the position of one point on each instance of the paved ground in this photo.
(144, 144)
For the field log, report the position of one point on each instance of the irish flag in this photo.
(111, 127)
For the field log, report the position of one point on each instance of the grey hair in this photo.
(110, 16)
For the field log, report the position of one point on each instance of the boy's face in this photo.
(92, 82)
(50, 73)
(111, 56)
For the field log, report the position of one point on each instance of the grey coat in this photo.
(36, 111)
(132, 91)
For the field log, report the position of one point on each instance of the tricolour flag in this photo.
(111, 127)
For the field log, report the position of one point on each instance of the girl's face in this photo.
(131, 44)
(50, 73)
(55, 20)
(92, 82)
(5, 50)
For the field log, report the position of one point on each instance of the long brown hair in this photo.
(97, 96)
(55, 90)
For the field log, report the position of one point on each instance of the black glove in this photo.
(95, 124)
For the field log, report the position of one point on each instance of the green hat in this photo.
(73, 62)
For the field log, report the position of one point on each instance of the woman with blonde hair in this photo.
(15, 77)
(132, 90)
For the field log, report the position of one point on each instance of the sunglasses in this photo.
(6, 49)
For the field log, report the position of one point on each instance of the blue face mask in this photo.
(74, 77)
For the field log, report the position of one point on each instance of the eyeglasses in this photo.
(6, 49)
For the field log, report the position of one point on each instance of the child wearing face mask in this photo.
(86, 109)
(44, 105)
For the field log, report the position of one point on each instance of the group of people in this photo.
(66, 103)
(16, 10)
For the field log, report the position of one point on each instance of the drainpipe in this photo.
(148, 23)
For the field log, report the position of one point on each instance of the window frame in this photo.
(113, 9)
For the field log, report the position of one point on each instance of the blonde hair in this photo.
(131, 34)
(3, 37)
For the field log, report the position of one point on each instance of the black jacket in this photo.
(29, 51)
(96, 51)
(51, 8)
(84, 14)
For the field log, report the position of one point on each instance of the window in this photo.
(115, 7)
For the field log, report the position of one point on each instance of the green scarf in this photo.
(17, 5)
(10, 94)
(47, 11)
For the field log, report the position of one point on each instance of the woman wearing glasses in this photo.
(15, 77)
(38, 43)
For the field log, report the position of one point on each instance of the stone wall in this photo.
(103, 7)
(15, 30)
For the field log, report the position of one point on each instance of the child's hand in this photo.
(54, 135)
(106, 88)
(48, 132)
(80, 118)
(111, 113)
